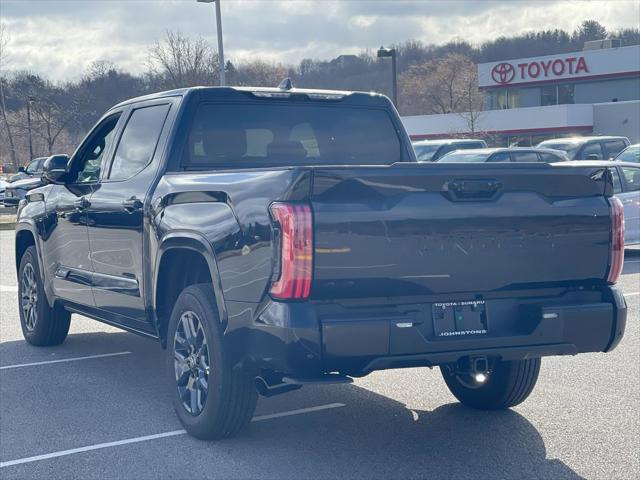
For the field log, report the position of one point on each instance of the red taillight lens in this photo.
(617, 240)
(296, 251)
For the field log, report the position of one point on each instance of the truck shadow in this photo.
(372, 436)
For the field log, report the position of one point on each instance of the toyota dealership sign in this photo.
(578, 65)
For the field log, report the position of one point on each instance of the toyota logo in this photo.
(503, 73)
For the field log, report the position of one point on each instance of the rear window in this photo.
(268, 134)
(569, 148)
(424, 153)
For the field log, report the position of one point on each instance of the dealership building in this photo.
(527, 100)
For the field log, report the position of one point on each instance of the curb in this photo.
(8, 226)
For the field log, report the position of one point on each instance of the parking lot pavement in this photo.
(98, 407)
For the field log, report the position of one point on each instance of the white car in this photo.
(626, 186)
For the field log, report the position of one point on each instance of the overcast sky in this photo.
(60, 38)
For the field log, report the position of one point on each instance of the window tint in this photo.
(33, 167)
(500, 157)
(617, 185)
(631, 178)
(524, 156)
(592, 149)
(631, 154)
(138, 142)
(92, 154)
(614, 147)
(425, 153)
(550, 157)
(283, 133)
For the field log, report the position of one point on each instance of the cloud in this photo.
(60, 38)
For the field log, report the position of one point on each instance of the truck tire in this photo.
(508, 384)
(212, 398)
(41, 325)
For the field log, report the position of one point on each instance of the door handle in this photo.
(82, 203)
(132, 204)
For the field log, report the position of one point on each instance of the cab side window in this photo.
(614, 147)
(138, 142)
(89, 164)
(524, 157)
(617, 185)
(592, 149)
(631, 178)
(500, 157)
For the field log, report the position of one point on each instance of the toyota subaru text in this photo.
(272, 238)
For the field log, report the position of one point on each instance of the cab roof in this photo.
(231, 93)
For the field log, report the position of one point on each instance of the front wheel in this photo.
(212, 398)
(506, 385)
(41, 324)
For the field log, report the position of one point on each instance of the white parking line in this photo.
(8, 288)
(99, 446)
(632, 294)
(46, 362)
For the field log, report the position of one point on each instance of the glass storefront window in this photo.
(503, 99)
(513, 98)
(565, 94)
(549, 95)
(556, 94)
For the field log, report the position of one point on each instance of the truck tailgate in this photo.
(411, 229)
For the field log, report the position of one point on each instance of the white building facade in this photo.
(531, 99)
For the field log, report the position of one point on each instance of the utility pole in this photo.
(220, 45)
(391, 52)
(30, 100)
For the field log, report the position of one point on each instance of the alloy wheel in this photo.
(191, 362)
(29, 297)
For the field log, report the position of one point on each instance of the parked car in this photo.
(3, 186)
(626, 184)
(33, 169)
(273, 238)
(629, 154)
(16, 191)
(512, 154)
(588, 148)
(432, 150)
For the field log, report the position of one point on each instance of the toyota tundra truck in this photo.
(269, 238)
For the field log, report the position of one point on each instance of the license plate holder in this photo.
(455, 319)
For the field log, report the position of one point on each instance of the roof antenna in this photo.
(286, 84)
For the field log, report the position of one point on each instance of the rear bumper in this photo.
(308, 339)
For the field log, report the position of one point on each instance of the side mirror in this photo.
(21, 170)
(55, 168)
(592, 156)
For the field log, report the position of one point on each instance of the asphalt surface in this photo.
(582, 420)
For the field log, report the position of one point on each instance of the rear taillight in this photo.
(617, 240)
(296, 251)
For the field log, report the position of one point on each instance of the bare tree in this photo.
(52, 117)
(180, 61)
(442, 85)
(4, 40)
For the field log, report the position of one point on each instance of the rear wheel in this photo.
(506, 385)
(212, 398)
(41, 324)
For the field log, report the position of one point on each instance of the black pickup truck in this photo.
(271, 238)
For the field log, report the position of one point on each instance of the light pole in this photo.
(219, 28)
(391, 52)
(30, 100)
